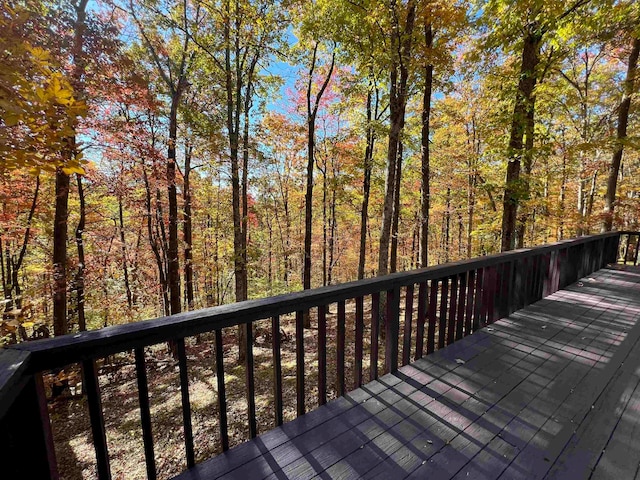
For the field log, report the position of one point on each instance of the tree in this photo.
(629, 88)
(173, 66)
(529, 23)
(401, 40)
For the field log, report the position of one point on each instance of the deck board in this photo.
(552, 391)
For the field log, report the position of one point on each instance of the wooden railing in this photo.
(453, 300)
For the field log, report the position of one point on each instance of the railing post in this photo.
(26, 443)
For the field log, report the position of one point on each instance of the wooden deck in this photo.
(553, 391)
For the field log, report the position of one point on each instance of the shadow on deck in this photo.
(552, 391)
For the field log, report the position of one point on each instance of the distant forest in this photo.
(159, 156)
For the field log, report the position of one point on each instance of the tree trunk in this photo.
(528, 162)
(324, 223)
(366, 184)
(447, 225)
(399, 74)
(425, 151)
(393, 261)
(621, 135)
(173, 276)
(123, 250)
(312, 111)
(333, 226)
(153, 242)
(563, 189)
(523, 110)
(61, 214)
(187, 230)
(82, 322)
(60, 253)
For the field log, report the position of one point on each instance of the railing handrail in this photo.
(73, 348)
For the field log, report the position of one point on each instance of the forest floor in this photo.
(69, 412)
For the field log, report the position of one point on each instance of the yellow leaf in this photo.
(70, 170)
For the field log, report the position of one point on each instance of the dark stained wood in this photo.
(521, 349)
(277, 366)
(422, 315)
(300, 408)
(469, 305)
(442, 318)
(186, 404)
(432, 315)
(392, 326)
(322, 357)
(477, 302)
(340, 387)
(26, 442)
(94, 402)
(453, 310)
(250, 381)
(375, 327)
(222, 396)
(462, 290)
(359, 332)
(492, 405)
(13, 368)
(145, 413)
(408, 316)
(67, 349)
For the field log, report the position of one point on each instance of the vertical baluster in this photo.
(502, 290)
(495, 289)
(392, 326)
(277, 367)
(553, 256)
(250, 381)
(359, 346)
(340, 348)
(375, 327)
(462, 290)
(96, 417)
(469, 310)
(563, 268)
(626, 248)
(453, 299)
(442, 321)
(534, 279)
(300, 363)
(546, 273)
(145, 413)
(477, 308)
(322, 354)
(540, 277)
(222, 397)
(432, 315)
(522, 265)
(487, 286)
(186, 405)
(422, 312)
(529, 284)
(408, 314)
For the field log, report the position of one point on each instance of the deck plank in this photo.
(552, 391)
